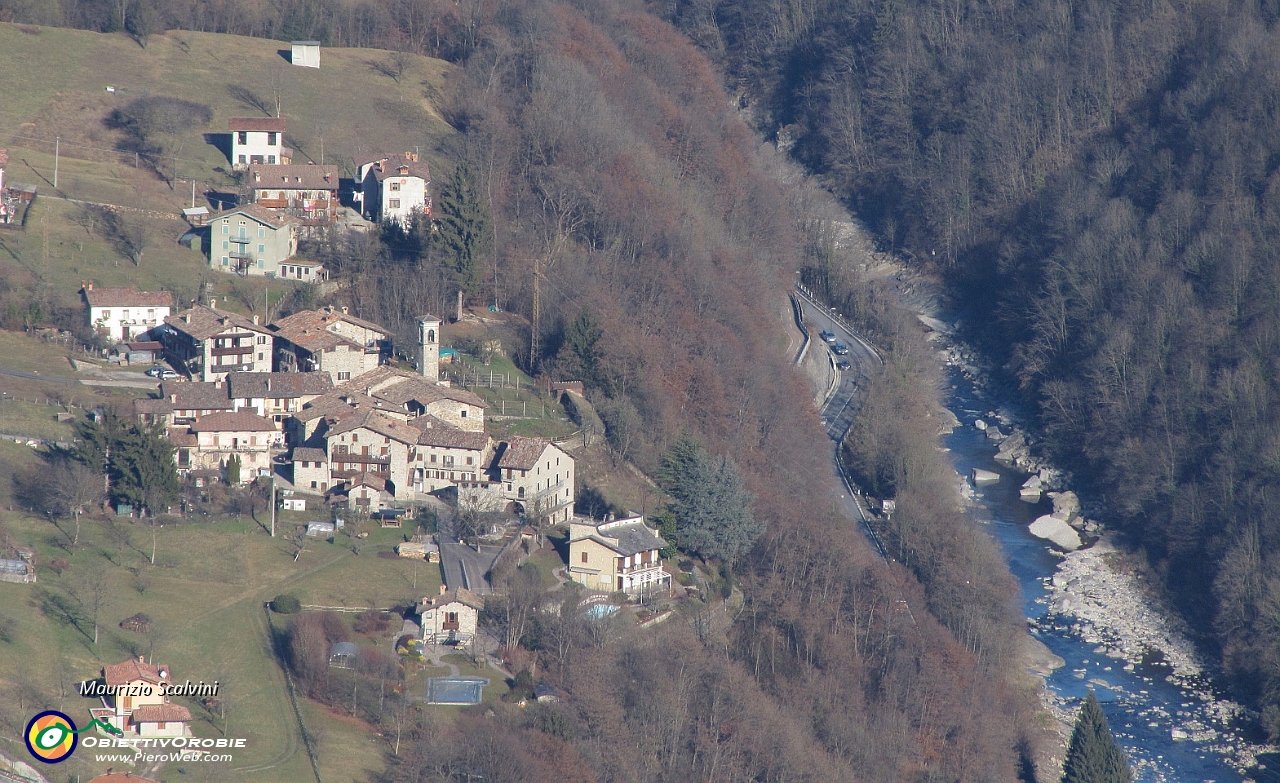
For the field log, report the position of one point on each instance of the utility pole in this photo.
(193, 194)
(57, 142)
(537, 315)
(273, 505)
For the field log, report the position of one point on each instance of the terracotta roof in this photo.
(375, 422)
(181, 436)
(292, 176)
(398, 387)
(161, 713)
(522, 453)
(268, 217)
(132, 670)
(150, 345)
(310, 329)
(197, 396)
(202, 322)
(240, 421)
(256, 124)
(450, 437)
(279, 385)
(401, 165)
(308, 454)
(367, 480)
(127, 297)
(459, 595)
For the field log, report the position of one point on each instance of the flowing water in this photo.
(1142, 707)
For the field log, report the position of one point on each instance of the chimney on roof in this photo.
(217, 384)
(255, 320)
(413, 156)
(344, 310)
(89, 287)
(257, 176)
(213, 303)
(268, 384)
(186, 318)
(173, 398)
(381, 165)
(441, 589)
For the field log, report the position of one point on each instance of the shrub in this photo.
(372, 621)
(286, 603)
(58, 565)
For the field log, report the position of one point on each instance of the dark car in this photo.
(839, 348)
(843, 364)
(827, 336)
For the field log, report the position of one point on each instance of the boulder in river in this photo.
(1065, 505)
(994, 433)
(981, 476)
(980, 424)
(1057, 531)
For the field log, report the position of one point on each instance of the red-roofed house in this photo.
(257, 140)
(134, 700)
(125, 313)
(330, 340)
(394, 188)
(306, 191)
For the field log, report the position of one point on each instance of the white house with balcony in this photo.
(125, 313)
(619, 554)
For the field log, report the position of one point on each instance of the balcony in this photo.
(232, 350)
(635, 569)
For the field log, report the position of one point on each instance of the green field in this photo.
(205, 595)
(53, 86)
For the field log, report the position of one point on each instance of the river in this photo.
(1142, 706)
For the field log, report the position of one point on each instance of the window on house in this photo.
(271, 159)
(271, 137)
(244, 139)
(471, 460)
(355, 437)
(464, 413)
(344, 376)
(584, 557)
(394, 203)
(106, 313)
(262, 231)
(262, 339)
(226, 228)
(313, 485)
(395, 187)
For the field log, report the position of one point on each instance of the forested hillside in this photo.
(1103, 177)
(607, 191)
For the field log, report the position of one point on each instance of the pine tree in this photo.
(233, 470)
(462, 228)
(1093, 755)
(710, 502)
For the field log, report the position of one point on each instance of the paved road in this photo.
(35, 376)
(462, 565)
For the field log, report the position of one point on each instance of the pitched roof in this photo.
(268, 217)
(202, 322)
(404, 164)
(628, 536)
(522, 453)
(256, 124)
(399, 387)
(181, 436)
(127, 297)
(367, 480)
(309, 454)
(149, 345)
(458, 595)
(150, 406)
(197, 396)
(446, 436)
(376, 422)
(134, 669)
(278, 385)
(343, 648)
(292, 176)
(311, 329)
(240, 421)
(161, 713)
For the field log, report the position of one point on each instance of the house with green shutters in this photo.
(253, 240)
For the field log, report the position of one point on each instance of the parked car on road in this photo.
(168, 375)
(839, 348)
(827, 336)
(154, 372)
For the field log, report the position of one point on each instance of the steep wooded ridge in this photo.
(615, 173)
(1103, 176)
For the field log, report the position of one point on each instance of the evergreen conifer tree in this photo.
(1093, 755)
(462, 228)
(233, 470)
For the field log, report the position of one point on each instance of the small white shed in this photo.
(306, 54)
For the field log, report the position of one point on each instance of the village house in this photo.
(276, 395)
(308, 191)
(450, 617)
(365, 441)
(210, 343)
(254, 241)
(257, 140)
(179, 404)
(310, 470)
(367, 492)
(537, 475)
(415, 396)
(125, 313)
(331, 341)
(620, 554)
(135, 701)
(394, 188)
(219, 435)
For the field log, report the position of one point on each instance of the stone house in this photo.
(219, 435)
(538, 476)
(276, 395)
(414, 396)
(619, 554)
(449, 617)
(331, 341)
(310, 469)
(211, 343)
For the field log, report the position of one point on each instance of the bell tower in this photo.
(429, 347)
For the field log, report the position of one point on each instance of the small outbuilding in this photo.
(306, 54)
(343, 655)
(320, 529)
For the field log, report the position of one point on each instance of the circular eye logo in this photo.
(51, 736)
